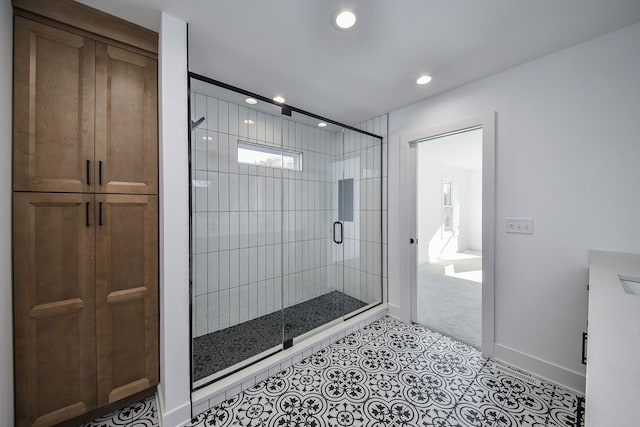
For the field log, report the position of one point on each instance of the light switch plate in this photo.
(520, 225)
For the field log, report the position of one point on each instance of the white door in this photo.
(451, 230)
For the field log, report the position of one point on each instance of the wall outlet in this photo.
(520, 225)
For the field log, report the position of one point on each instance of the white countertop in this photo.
(613, 352)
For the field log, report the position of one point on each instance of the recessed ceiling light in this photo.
(248, 121)
(251, 101)
(279, 99)
(207, 138)
(423, 80)
(322, 124)
(345, 19)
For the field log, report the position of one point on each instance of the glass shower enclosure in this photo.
(286, 226)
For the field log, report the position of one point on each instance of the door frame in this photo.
(408, 143)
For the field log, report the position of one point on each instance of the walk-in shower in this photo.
(286, 226)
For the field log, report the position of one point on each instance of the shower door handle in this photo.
(334, 232)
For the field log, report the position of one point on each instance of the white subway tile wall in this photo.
(262, 236)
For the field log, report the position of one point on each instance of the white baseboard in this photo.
(397, 313)
(564, 377)
(177, 417)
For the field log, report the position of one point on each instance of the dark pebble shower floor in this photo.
(222, 349)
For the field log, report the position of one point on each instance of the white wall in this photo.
(175, 387)
(6, 306)
(567, 155)
(473, 217)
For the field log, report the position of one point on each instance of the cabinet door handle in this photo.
(584, 348)
(88, 172)
(100, 213)
(100, 173)
(86, 214)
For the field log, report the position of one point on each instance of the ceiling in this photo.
(290, 48)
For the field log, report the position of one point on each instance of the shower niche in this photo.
(286, 226)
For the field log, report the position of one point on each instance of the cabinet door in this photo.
(126, 294)
(126, 121)
(54, 307)
(54, 94)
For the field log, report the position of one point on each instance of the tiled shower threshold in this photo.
(220, 350)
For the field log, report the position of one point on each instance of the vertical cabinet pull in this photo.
(100, 173)
(86, 214)
(584, 348)
(88, 172)
(100, 213)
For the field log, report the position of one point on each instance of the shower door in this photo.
(285, 227)
(334, 208)
(360, 213)
(236, 211)
(312, 254)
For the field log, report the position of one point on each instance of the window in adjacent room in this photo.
(447, 210)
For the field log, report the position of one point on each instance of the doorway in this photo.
(451, 231)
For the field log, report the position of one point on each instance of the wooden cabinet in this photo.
(85, 114)
(54, 97)
(85, 205)
(126, 121)
(54, 307)
(86, 301)
(126, 296)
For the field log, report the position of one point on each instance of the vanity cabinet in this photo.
(613, 372)
(85, 209)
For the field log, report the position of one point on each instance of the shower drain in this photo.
(517, 374)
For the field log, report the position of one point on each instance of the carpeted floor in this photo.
(450, 296)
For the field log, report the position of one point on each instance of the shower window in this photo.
(278, 251)
(262, 155)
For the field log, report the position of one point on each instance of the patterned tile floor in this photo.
(387, 374)
(219, 350)
(140, 414)
(395, 374)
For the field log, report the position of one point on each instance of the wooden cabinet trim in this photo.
(77, 31)
(92, 20)
(56, 308)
